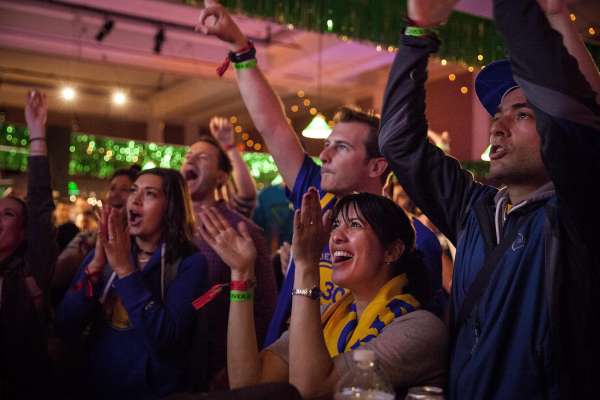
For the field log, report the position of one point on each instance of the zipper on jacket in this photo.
(477, 330)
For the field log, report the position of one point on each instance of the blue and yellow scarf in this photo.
(342, 329)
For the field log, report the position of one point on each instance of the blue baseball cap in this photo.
(493, 83)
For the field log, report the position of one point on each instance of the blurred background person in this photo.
(27, 256)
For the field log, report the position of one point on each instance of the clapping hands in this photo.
(116, 242)
(235, 248)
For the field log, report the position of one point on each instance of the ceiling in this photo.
(50, 44)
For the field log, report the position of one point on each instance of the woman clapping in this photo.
(372, 245)
(137, 291)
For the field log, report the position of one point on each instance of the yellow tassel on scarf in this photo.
(342, 330)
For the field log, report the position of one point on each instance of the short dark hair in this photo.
(178, 221)
(131, 172)
(224, 161)
(354, 114)
(390, 223)
(372, 120)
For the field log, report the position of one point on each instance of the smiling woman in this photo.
(137, 290)
(373, 246)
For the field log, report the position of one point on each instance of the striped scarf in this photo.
(343, 330)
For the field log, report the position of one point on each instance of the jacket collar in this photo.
(501, 199)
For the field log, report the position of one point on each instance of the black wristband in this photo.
(249, 53)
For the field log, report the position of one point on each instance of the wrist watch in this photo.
(312, 293)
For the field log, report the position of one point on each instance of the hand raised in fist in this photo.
(216, 21)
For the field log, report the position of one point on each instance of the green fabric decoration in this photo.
(463, 38)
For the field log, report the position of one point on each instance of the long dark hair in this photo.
(390, 223)
(178, 221)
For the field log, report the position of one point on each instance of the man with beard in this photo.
(524, 308)
(206, 169)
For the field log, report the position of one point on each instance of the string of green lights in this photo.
(99, 156)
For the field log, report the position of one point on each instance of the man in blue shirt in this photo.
(351, 161)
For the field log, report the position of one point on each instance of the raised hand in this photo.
(99, 259)
(236, 248)
(222, 130)
(311, 232)
(36, 111)
(430, 13)
(117, 243)
(215, 20)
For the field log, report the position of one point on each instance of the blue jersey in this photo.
(310, 176)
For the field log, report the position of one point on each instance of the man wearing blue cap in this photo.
(525, 300)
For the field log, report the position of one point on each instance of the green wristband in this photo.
(238, 296)
(246, 64)
(418, 31)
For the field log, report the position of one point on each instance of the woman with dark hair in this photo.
(372, 242)
(137, 290)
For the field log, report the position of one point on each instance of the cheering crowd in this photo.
(176, 293)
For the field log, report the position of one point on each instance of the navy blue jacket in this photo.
(138, 342)
(531, 335)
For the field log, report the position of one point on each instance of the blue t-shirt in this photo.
(310, 176)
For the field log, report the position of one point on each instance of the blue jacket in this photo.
(137, 341)
(534, 332)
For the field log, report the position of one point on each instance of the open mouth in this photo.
(117, 204)
(341, 256)
(497, 152)
(190, 175)
(135, 218)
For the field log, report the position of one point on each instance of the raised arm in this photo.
(434, 180)
(263, 104)
(42, 250)
(567, 114)
(222, 130)
(558, 17)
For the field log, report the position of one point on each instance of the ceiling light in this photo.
(119, 97)
(159, 39)
(105, 30)
(68, 93)
(317, 129)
